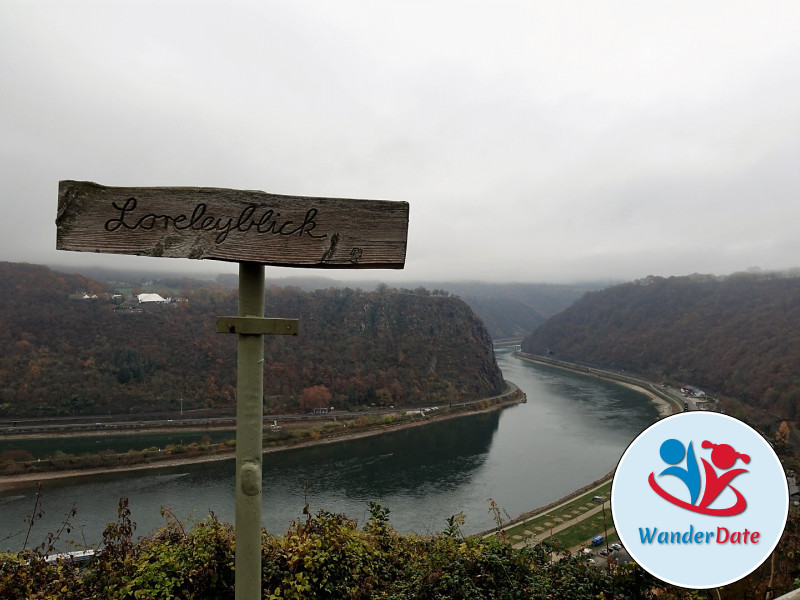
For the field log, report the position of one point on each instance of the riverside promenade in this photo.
(665, 402)
(574, 520)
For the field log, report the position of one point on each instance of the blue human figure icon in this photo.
(672, 453)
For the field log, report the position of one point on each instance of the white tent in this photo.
(151, 298)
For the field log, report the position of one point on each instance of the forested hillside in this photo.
(63, 354)
(509, 310)
(738, 335)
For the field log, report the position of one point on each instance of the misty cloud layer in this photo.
(534, 141)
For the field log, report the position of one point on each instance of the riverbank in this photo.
(521, 530)
(664, 406)
(543, 510)
(512, 396)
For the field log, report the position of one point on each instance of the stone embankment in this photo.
(27, 473)
(665, 403)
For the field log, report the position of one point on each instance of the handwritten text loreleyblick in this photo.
(268, 222)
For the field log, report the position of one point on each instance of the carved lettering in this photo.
(355, 255)
(267, 222)
(205, 223)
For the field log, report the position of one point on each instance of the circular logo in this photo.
(699, 499)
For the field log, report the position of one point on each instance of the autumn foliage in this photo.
(326, 555)
(315, 397)
(737, 336)
(63, 354)
(330, 556)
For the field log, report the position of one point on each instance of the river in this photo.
(572, 431)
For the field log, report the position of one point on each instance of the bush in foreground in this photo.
(324, 556)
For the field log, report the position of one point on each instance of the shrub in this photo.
(324, 556)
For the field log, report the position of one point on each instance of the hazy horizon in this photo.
(534, 141)
(341, 276)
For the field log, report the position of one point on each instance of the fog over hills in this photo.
(509, 310)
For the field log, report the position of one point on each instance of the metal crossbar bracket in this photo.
(257, 326)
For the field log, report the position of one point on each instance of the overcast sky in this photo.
(535, 141)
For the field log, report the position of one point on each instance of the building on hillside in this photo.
(689, 390)
(82, 296)
(127, 310)
(145, 298)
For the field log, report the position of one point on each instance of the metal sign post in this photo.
(249, 415)
(254, 229)
(250, 326)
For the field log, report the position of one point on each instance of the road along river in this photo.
(571, 432)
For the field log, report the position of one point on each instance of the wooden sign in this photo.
(232, 225)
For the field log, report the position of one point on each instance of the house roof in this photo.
(151, 298)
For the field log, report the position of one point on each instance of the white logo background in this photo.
(635, 505)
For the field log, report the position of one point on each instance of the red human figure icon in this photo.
(724, 457)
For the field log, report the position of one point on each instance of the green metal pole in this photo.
(249, 417)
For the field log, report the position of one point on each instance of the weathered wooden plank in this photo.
(232, 225)
(257, 326)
